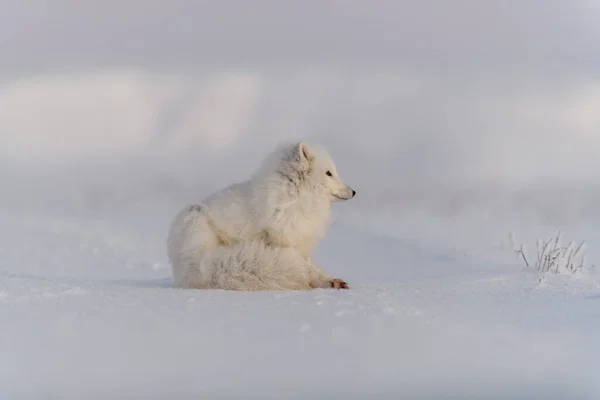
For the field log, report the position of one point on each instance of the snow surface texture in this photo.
(94, 167)
(86, 307)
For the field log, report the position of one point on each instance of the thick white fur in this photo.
(255, 266)
(259, 234)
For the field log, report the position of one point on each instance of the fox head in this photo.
(314, 169)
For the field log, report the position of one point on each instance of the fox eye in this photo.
(328, 173)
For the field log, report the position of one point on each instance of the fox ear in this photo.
(303, 153)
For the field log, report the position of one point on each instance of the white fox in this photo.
(267, 225)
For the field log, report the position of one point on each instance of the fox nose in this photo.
(353, 192)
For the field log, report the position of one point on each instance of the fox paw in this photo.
(338, 284)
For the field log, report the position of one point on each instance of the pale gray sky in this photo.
(411, 90)
(36, 35)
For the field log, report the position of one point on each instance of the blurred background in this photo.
(441, 108)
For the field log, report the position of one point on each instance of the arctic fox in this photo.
(271, 221)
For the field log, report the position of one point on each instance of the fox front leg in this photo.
(320, 279)
(338, 284)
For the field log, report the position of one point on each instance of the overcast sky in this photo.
(503, 88)
(39, 34)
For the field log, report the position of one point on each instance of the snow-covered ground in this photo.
(93, 166)
(87, 311)
(439, 305)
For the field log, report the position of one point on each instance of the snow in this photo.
(446, 167)
(86, 307)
